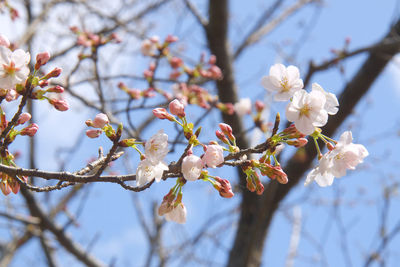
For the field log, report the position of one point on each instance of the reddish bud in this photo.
(299, 142)
(24, 117)
(224, 187)
(59, 104)
(177, 108)
(212, 60)
(171, 39)
(5, 188)
(93, 133)
(215, 72)
(52, 74)
(42, 59)
(221, 136)
(30, 130)
(330, 146)
(175, 62)
(100, 120)
(56, 89)
(259, 106)
(162, 114)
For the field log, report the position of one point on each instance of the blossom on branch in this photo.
(191, 167)
(147, 171)
(243, 107)
(344, 156)
(307, 111)
(213, 156)
(331, 104)
(13, 67)
(177, 214)
(284, 81)
(156, 148)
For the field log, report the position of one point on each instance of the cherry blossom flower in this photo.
(24, 117)
(344, 156)
(284, 81)
(13, 67)
(307, 111)
(191, 167)
(149, 46)
(100, 120)
(147, 171)
(213, 156)
(331, 104)
(156, 148)
(177, 108)
(243, 107)
(177, 214)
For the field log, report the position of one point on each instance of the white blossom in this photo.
(307, 111)
(213, 156)
(284, 81)
(156, 148)
(177, 214)
(147, 171)
(331, 104)
(243, 107)
(13, 67)
(345, 156)
(191, 167)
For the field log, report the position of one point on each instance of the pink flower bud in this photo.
(224, 187)
(42, 59)
(212, 60)
(177, 108)
(221, 136)
(300, 142)
(148, 74)
(171, 39)
(162, 114)
(54, 73)
(215, 72)
(174, 74)
(5, 188)
(30, 130)
(175, 62)
(259, 106)
(43, 83)
(4, 41)
(93, 133)
(213, 156)
(100, 120)
(59, 104)
(24, 117)
(57, 89)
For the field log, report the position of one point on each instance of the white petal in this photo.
(325, 179)
(277, 70)
(304, 125)
(293, 73)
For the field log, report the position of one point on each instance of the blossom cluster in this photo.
(17, 80)
(309, 110)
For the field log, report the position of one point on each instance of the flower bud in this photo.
(162, 114)
(300, 142)
(259, 106)
(93, 133)
(59, 104)
(100, 120)
(57, 89)
(52, 74)
(42, 59)
(224, 187)
(127, 142)
(171, 39)
(5, 188)
(30, 130)
(215, 72)
(175, 62)
(177, 108)
(24, 117)
(221, 136)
